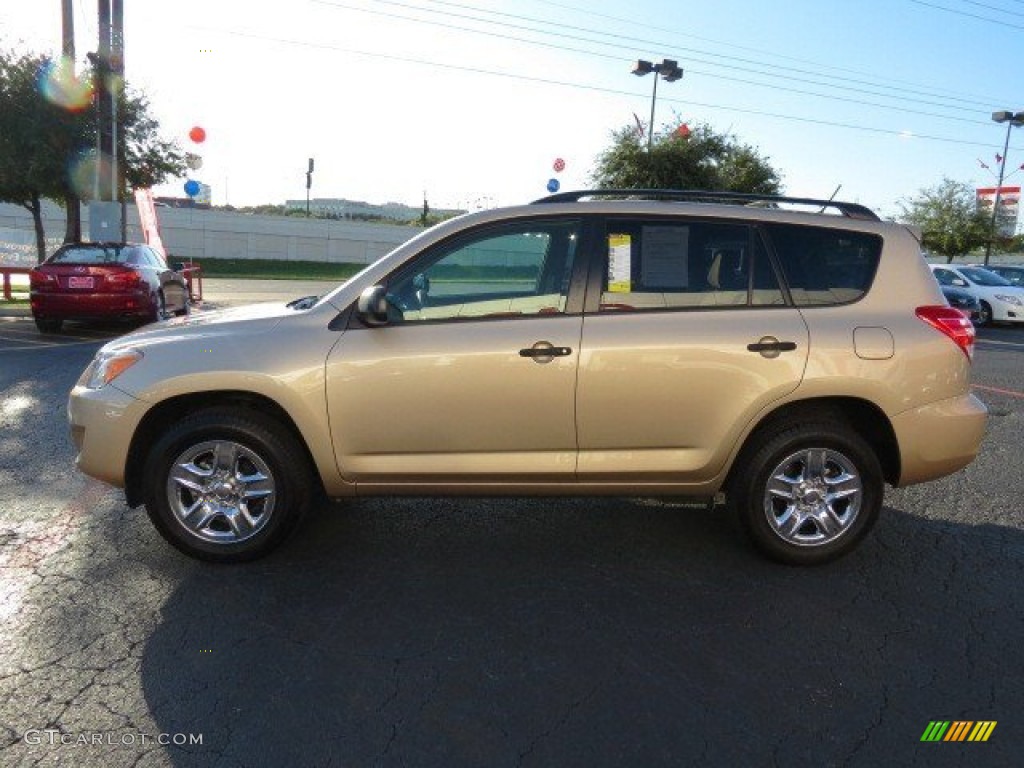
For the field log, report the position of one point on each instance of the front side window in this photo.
(662, 264)
(980, 276)
(825, 266)
(509, 271)
(945, 276)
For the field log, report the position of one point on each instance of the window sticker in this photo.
(620, 263)
(665, 257)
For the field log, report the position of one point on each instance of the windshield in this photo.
(981, 276)
(87, 255)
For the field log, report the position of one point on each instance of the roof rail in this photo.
(851, 210)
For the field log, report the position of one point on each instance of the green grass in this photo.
(272, 269)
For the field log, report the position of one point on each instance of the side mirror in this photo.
(959, 283)
(372, 307)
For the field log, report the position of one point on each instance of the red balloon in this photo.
(559, 165)
(197, 134)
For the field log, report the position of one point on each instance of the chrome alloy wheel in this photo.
(813, 497)
(221, 492)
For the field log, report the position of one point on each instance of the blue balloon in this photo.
(553, 185)
(191, 187)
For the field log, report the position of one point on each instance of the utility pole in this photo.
(73, 230)
(117, 109)
(309, 183)
(106, 216)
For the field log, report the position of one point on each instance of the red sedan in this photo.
(105, 281)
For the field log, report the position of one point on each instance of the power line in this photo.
(593, 88)
(877, 82)
(729, 44)
(901, 107)
(993, 8)
(1000, 22)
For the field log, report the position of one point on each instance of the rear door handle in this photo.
(544, 352)
(770, 347)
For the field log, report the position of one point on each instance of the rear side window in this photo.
(825, 266)
(679, 264)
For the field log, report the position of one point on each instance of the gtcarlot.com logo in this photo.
(958, 730)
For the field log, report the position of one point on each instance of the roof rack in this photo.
(850, 210)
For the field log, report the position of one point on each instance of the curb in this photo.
(20, 311)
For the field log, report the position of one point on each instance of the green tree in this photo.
(41, 136)
(949, 218)
(701, 159)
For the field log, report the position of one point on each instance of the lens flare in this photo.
(82, 172)
(59, 85)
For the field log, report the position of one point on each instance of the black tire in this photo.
(262, 448)
(985, 315)
(807, 527)
(49, 325)
(159, 308)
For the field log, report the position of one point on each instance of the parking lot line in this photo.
(997, 390)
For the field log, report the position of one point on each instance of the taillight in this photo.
(122, 280)
(38, 279)
(952, 322)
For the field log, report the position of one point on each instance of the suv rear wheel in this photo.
(809, 494)
(226, 485)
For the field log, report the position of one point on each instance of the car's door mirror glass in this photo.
(372, 307)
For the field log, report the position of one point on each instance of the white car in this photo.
(1001, 301)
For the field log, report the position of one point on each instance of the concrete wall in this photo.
(190, 233)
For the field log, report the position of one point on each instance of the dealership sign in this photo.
(1009, 204)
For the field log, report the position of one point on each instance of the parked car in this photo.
(1012, 273)
(962, 300)
(1000, 301)
(105, 281)
(789, 363)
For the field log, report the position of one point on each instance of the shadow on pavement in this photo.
(577, 632)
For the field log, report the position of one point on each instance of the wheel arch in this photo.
(862, 416)
(168, 411)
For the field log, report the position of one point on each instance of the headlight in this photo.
(107, 366)
(1015, 300)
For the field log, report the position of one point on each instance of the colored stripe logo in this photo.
(958, 730)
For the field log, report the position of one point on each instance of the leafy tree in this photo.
(42, 135)
(949, 218)
(698, 159)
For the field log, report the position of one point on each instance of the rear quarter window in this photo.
(825, 266)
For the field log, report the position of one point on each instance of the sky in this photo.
(472, 101)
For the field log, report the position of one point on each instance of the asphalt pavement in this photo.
(515, 632)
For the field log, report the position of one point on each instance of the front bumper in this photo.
(102, 423)
(940, 438)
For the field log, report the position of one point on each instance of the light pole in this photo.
(1011, 119)
(669, 71)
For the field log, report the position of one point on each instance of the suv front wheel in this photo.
(807, 495)
(226, 484)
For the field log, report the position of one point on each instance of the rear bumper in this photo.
(90, 305)
(940, 438)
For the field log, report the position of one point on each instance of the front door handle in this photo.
(544, 352)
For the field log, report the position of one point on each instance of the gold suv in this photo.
(707, 345)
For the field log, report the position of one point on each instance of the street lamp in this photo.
(1011, 119)
(670, 71)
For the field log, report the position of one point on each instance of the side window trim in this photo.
(768, 249)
